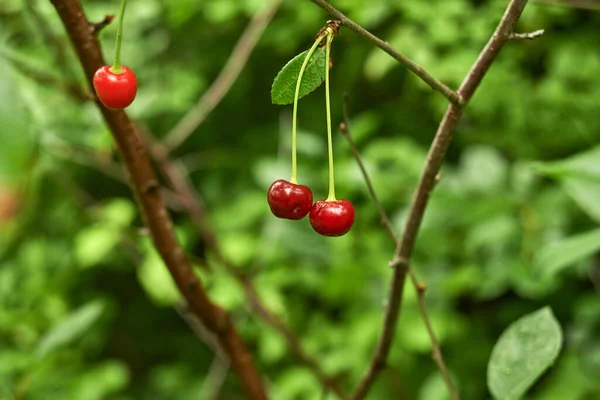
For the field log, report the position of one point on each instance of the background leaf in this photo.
(559, 255)
(523, 352)
(284, 85)
(580, 177)
(70, 329)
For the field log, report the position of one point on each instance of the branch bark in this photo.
(435, 157)
(147, 191)
(385, 46)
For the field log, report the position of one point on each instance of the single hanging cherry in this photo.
(288, 199)
(116, 85)
(331, 217)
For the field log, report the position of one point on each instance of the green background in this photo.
(87, 307)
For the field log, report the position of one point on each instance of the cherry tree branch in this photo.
(385, 46)
(147, 191)
(435, 158)
(385, 221)
(221, 85)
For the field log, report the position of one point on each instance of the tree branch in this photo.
(435, 157)
(147, 192)
(221, 85)
(385, 221)
(191, 201)
(385, 46)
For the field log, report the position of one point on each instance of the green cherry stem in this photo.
(294, 178)
(116, 67)
(331, 196)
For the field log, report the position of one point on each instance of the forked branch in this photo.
(385, 221)
(435, 158)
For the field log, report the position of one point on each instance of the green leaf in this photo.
(284, 85)
(524, 351)
(156, 280)
(580, 177)
(70, 329)
(94, 244)
(557, 256)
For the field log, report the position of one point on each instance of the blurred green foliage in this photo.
(86, 304)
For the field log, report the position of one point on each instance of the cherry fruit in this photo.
(115, 90)
(332, 217)
(289, 200)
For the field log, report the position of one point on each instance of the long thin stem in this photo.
(435, 158)
(294, 178)
(116, 67)
(433, 83)
(331, 196)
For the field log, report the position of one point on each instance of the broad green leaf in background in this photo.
(94, 244)
(284, 85)
(580, 177)
(154, 277)
(557, 256)
(70, 329)
(524, 351)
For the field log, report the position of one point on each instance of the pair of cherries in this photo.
(327, 217)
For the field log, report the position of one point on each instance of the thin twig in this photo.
(528, 36)
(148, 195)
(220, 365)
(194, 206)
(96, 27)
(227, 77)
(385, 46)
(46, 78)
(52, 41)
(435, 157)
(385, 220)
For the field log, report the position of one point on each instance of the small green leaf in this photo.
(580, 177)
(524, 351)
(557, 256)
(95, 243)
(284, 85)
(156, 280)
(70, 329)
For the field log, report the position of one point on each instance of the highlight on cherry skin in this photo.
(332, 217)
(289, 200)
(115, 90)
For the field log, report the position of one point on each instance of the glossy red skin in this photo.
(115, 91)
(332, 218)
(288, 200)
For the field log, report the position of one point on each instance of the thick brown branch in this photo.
(385, 46)
(192, 202)
(151, 204)
(426, 184)
(221, 85)
(385, 220)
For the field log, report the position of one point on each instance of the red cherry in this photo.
(332, 218)
(289, 200)
(115, 91)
